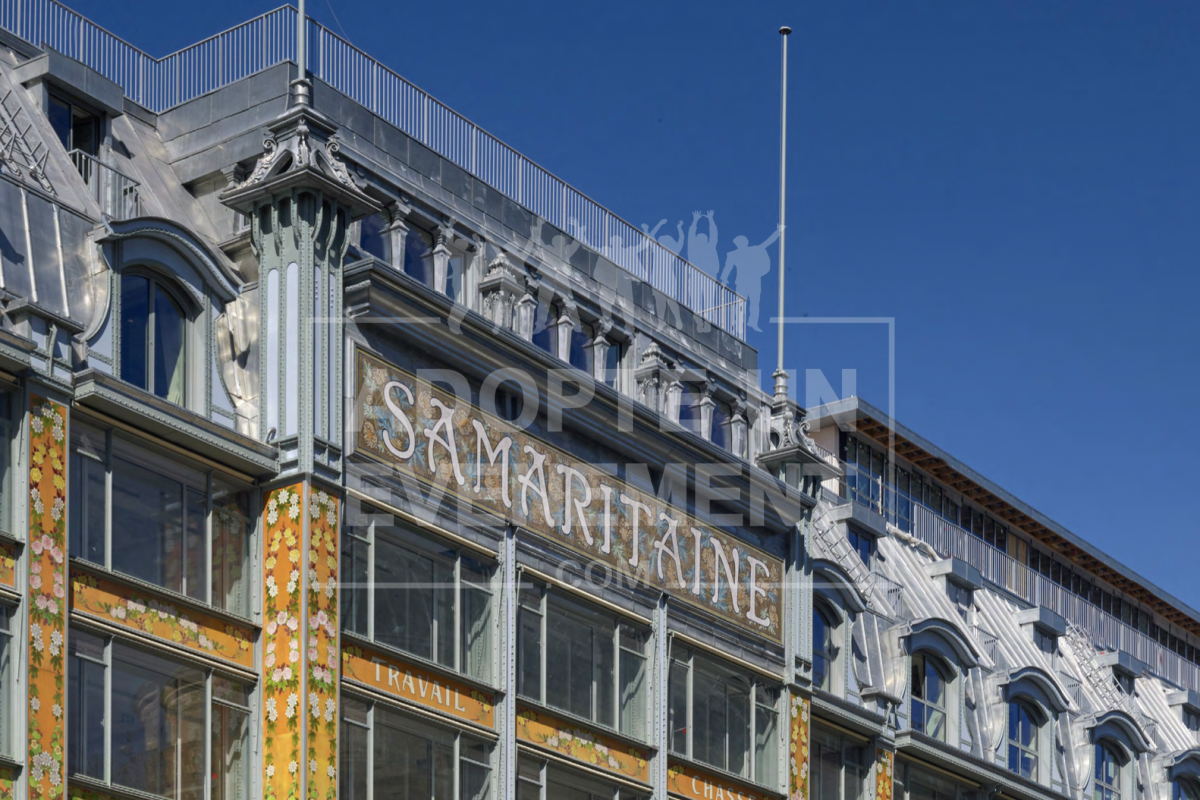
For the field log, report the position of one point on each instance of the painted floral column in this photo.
(300, 645)
(883, 774)
(323, 657)
(798, 748)
(47, 598)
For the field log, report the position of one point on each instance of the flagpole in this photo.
(780, 376)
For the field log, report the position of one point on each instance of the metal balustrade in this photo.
(1105, 631)
(270, 39)
(116, 193)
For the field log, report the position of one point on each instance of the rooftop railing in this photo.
(160, 84)
(1106, 631)
(116, 193)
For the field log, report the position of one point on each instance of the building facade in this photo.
(349, 454)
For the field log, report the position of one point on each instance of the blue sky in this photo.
(1016, 183)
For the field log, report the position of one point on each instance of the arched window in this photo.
(1022, 741)
(823, 651)
(1184, 790)
(928, 697)
(153, 338)
(1108, 774)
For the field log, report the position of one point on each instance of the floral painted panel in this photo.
(8, 563)
(322, 624)
(283, 534)
(407, 423)
(798, 749)
(48, 598)
(544, 730)
(6, 784)
(684, 780)
(884, 763)
(411, 683)
(132, 609)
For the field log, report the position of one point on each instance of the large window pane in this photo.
(148, 544)
(355, 583)
(135, 323)
(231, 549)
(85, 706)
(353, 742)
(157, 725)
(231, 756)
(169, 345)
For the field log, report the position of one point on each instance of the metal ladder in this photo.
(15, 151)
(843, 554)
(1095, 674)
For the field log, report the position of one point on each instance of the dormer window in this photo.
(1045, 642)
(928, 698)
(1108, 774)
(77, 127)
(861, 544)
(153, 337)
(1191, 720)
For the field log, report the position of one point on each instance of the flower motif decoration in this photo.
(798, 749)
(47, 595)
(581, 745)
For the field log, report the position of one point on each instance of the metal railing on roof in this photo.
(117, 194)
(1105, 631)
(267, 40)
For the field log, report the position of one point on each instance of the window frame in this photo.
(830, 656)
(157, 281)
(73, 105)
(127, 448)
(934, 663)
(1017, 709)
(586, 613)
(1101, 788)
(551, 776)
(822, 738)
(691, 660)
(106, 661)
(387, 714)
(365, 534)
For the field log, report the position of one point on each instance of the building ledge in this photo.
(15, 352)
(186, 429)
(851, 513)
(75, 77)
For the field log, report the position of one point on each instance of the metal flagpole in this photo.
(301, 55)
(780, 376)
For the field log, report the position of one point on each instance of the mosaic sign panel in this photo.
(47, 598)
(130, 609)
(537, 727)
(404, 422)
(884, 763)
(418, 686)
(684, 780)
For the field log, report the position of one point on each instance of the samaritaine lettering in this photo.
(405, 422)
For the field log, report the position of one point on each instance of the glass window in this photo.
(582, 661)
(723, 717)
(1184, 790)
(861, 544)
(407, 757)
(153, 338)
(373, 238)
(823, 651)
(545, 327)
(839, 767)
(928, 698)
(1108, 774)
(580, 354)
(418, 255)
(172, 526)
(614, 360)
(154, 737)
(722, 425)
(1022, 741)
(689, 407)
(7, 673)
(77, 128)
(415, 594)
